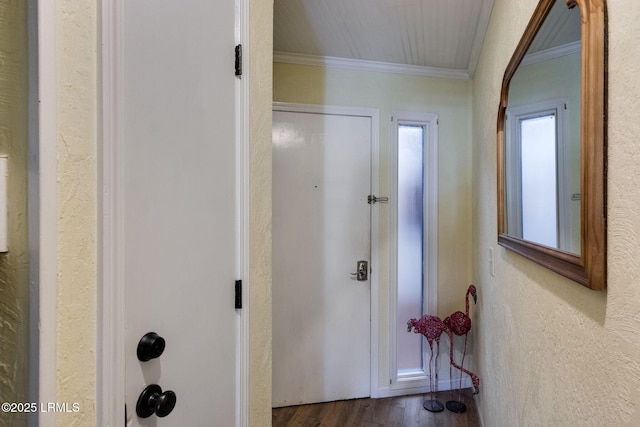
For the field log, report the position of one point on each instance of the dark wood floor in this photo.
(394, 411)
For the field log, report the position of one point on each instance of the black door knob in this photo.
(151, 345)
(153, 401)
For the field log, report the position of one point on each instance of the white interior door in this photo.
(321, 229)
(179, 216)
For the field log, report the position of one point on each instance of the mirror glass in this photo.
(552, 142)
(542, 187)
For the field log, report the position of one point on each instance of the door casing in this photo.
(111, 304)
(43, 204)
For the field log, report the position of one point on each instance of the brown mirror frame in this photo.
(588, 268)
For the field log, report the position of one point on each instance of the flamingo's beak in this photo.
(476, 390)
(475, 298)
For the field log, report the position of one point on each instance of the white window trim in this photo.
(413, 382)
(512, 151)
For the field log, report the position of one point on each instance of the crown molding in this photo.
(552, 53)
(364, 65)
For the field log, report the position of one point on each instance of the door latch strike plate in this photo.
(371, 199)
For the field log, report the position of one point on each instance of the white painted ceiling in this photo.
(443, 35)
(561, 27)
(430, 37)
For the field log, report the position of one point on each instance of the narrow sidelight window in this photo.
(410, 244)
(413, 261)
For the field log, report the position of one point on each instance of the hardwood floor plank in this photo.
(336, 414)
(381, 412)
(405, 411)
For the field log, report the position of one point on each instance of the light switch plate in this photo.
(491, 263)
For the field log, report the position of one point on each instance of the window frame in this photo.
(514, 115)
(418, 381)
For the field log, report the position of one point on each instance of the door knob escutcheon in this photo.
(151, 346)
(153, 400)
(362, 271)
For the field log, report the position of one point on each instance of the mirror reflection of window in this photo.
(539, 179)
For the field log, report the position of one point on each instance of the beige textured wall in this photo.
(549, 351)
(261, 39)
(451, 100)
(14, 273)
(77, 209)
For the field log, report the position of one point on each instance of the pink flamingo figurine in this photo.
(474, 378)
(460, 323)
(432, 328)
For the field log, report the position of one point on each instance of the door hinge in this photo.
(239, 61)
(238, 294)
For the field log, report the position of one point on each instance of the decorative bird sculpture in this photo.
(432, 328)
(474, 378)
(459, 323)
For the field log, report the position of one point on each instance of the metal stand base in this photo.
(457, 407)
(433, 406)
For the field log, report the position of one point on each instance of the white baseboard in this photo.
(443, 385)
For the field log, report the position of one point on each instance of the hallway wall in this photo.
(451, 100)
(549, 351)
(77, 196)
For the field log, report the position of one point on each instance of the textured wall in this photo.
(14, 278)
(450, 99)
(549, 351)
(261, 53)
(77, 214)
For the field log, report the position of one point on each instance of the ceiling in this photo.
(561, 27)
(431, 37)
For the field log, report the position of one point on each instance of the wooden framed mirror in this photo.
(552, 142)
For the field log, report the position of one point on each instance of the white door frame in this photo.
(374, 114)
(43, 195)
(111, 304)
